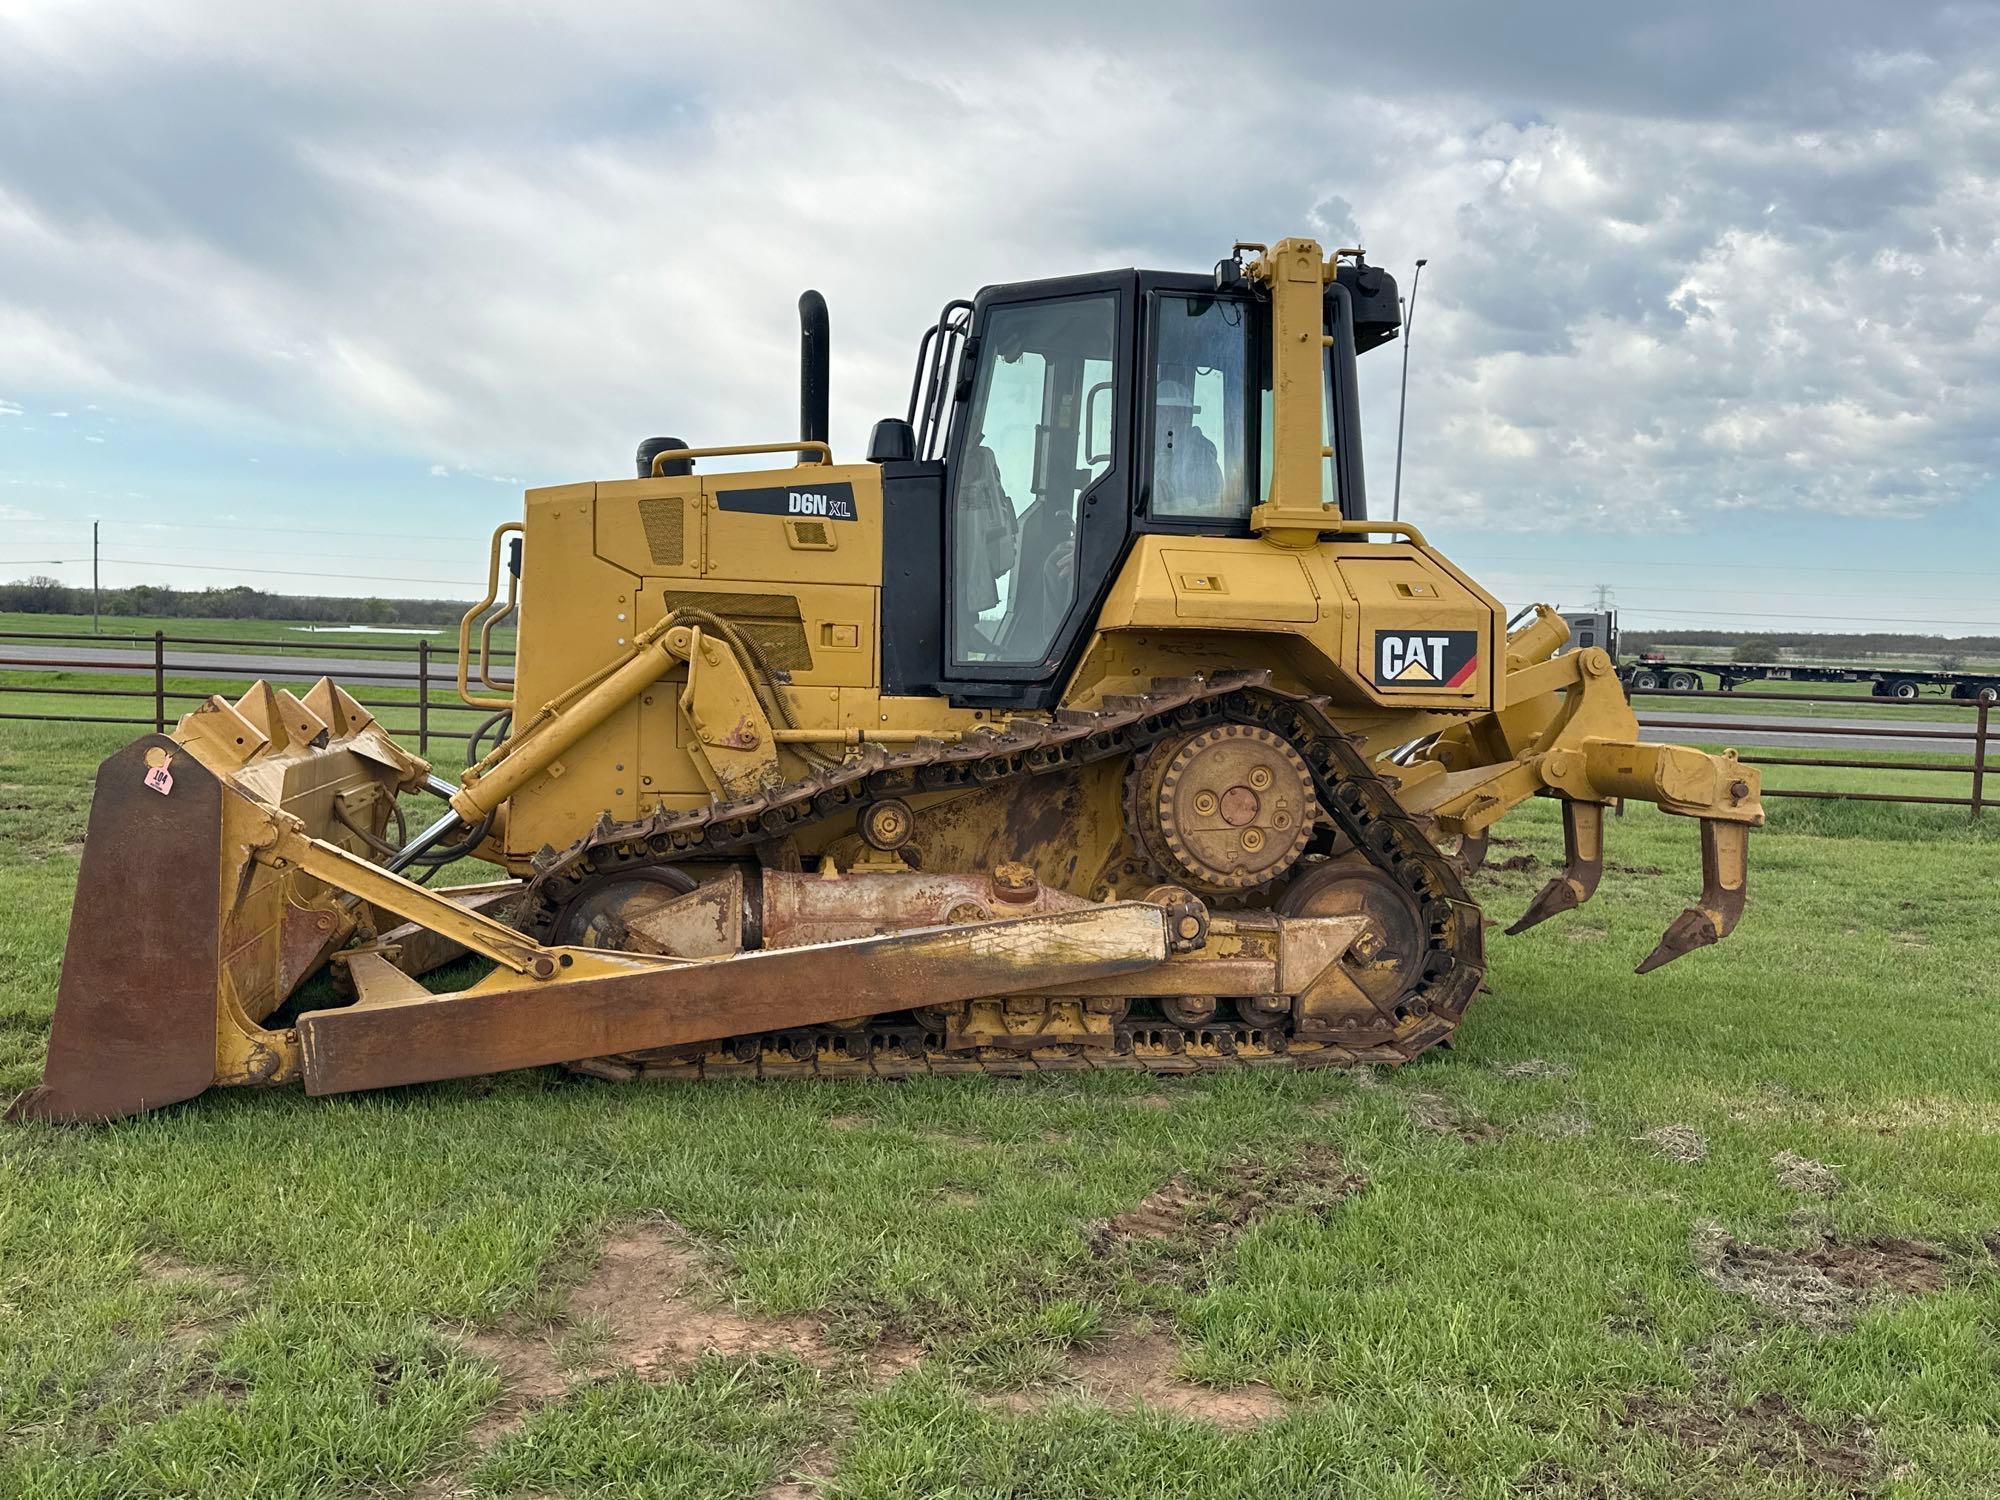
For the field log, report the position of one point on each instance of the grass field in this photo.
(1570, 1257)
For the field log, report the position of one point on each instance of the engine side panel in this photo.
(1376, 627)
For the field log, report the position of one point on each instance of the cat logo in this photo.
(1425, 658)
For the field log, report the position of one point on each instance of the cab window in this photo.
(1039, 434)
(1200, 401)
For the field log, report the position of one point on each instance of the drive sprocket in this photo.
(1225, 808)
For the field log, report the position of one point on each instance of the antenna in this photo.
(1403, 400)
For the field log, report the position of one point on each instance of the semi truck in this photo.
(1654, 671)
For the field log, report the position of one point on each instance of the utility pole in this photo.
(93, 578)
(1603, 597)
(1403, 401)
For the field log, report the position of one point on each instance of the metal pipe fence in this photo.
(424, 679)
(1977, 734)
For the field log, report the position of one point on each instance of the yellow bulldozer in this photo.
(1092, 722)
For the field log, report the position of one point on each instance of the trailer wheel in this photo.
(1988, 692)
(1645, 682)
(1904, 688)
(1683, 682)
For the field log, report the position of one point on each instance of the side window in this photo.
(1039, 433)
(1200, 406)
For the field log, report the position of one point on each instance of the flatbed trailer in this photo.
(1654, 671)
(1649, 673)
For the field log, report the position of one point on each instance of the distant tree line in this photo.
(42, 595)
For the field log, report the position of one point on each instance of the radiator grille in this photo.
(809, 533)
(770, 622)
(665, 522)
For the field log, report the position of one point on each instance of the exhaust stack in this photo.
(813, 368)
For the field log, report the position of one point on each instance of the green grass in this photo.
(1483, 1318)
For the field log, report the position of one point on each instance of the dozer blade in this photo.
(181, 942)
(134, 1025)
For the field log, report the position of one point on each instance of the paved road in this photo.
(1843, 746)
(303, 668)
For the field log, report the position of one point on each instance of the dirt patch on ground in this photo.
(1535, 1068)
(1133, 1368)
(803, 1478)
(1442, 1116)
(1801, 1174)
(1769, 1433)
(212, 1286)
(163, 1269)
(646, 1307)
(1173, 1228)
(1823, 1286)
(1681, 1143)
(647, 1294)
(1514, 862)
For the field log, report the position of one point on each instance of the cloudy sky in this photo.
(302, 295)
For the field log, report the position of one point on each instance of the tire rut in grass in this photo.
(1171, 1234)
(1767, 1433)
(1823, 1286)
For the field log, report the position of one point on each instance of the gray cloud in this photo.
(1724, 256)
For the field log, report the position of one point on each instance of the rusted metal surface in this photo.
(417, 949)
(1470, 855)
(1583, 866)
(134, 1026)
(420, 1040)
(800, 909)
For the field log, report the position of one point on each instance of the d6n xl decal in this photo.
(1425, 658)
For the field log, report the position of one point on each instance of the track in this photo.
(1361, 805)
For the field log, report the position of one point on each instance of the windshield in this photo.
(1040, 433)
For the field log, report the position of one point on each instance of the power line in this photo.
(1828, 614)
(1653, 590)
(408, 536)
(139, 562)
(1651, 562)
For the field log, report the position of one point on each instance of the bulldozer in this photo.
(1092, 722)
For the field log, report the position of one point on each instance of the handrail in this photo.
(1362, 528)
(678, 455)
(465, 692)
(486, 633)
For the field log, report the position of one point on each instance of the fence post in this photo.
(159, 682)
(424, 699)
(1979, 743)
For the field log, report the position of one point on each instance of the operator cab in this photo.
(1050, 423)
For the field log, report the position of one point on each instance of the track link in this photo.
(1361, 804)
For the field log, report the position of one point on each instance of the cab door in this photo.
(1038, 508)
